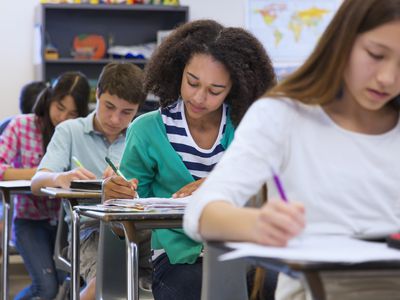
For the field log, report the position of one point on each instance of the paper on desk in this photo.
(318, 248)
(150, 203)
(104, 208)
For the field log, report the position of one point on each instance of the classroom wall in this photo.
(16, 54)
(17, 33)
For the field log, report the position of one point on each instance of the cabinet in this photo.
(124, 24)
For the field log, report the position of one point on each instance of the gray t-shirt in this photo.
(79, 138)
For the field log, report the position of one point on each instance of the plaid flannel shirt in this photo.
(21, 147)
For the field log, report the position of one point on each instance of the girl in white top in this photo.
(332, 132)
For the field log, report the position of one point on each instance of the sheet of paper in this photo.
(103, 208)
(318, 248)
(146, 204)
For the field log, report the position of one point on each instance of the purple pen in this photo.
(279, 186)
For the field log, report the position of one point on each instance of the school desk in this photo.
(69, 199)
(7, 190)
(131, 222)
(307, 272)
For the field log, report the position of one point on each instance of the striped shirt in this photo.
(21, 147)
(198, 161)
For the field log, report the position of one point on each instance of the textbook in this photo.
(86, 185)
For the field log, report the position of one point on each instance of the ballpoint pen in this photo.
(115, 169)
(279, 186)
(118, 172)
(77, 162)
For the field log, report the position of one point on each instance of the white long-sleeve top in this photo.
(349, 182)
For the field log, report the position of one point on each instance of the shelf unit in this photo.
(126, 24)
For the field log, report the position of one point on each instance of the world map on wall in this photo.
(289, 29)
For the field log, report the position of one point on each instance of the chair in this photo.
(111, 281)
(220, 274)
(61, 259)
(222, 279)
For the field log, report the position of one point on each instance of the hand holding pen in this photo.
(63, 179)
(115, 169)
(278, 221)
(279, 186)
(119, 186)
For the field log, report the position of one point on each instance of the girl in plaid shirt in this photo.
(22, 146)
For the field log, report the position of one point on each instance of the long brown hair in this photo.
(74, 84)
(319, 79)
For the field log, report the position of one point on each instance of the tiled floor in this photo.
(19, 278)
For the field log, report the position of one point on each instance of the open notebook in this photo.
(159, 205)
(148, 204)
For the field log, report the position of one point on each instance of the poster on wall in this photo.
(289, 29)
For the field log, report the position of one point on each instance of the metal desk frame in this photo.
(130, 222)
(7, 189)
(309, 272)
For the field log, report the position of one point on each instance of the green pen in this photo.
(117, 171)
(77, 162)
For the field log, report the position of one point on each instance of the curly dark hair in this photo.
(244, 57)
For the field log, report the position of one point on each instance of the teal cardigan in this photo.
(150, 158)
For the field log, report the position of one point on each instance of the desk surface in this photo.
(289, 266)
(283, 264)
(70, 194)
(15, 184)
(147, 219)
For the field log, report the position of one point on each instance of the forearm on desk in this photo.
(223, 221)
(19, 174)
(43, 179)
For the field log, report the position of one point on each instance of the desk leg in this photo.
(132, 260)
(314, 286)
(6, 230)
(75, 260)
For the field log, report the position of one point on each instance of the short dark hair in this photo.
(29, 94)
(244, 57)
(74, 84)
(124, 80)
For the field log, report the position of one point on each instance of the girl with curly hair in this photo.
(206, 76)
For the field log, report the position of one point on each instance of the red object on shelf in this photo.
(89, 46)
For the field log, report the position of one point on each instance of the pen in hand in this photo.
(115, 169)
(77, 162)
(118, 172)
(279, 186)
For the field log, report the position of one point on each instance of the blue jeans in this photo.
(35, 240)
(178, 281)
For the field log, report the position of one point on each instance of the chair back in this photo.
(111, 281)
(61, 258)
